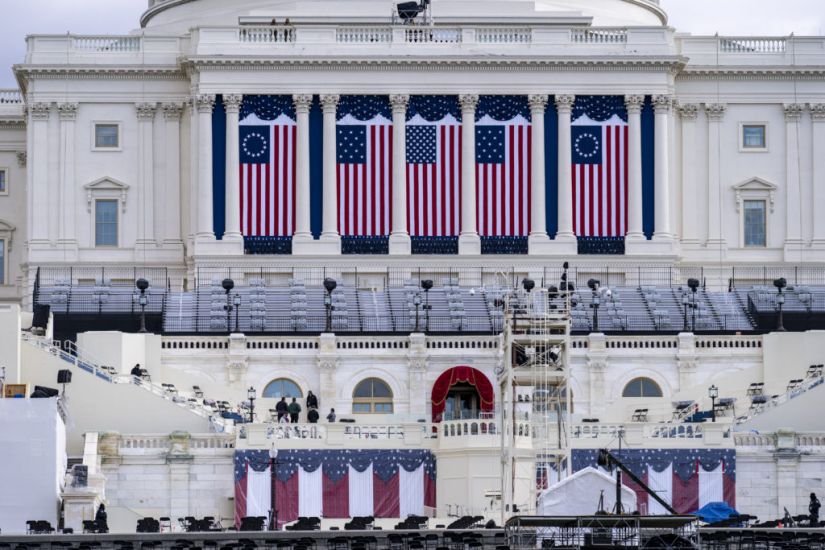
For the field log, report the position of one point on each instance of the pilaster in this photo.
(67, 233)
(793, 199)
(416, 371)
(146, 185)
(400, 243)
(232, 233)
(715, 113)
(205, 104)
(787, 458)
(38, 175)
(328, 366)
(171, 229)
(179, 459)
(597, 369)
(818, 144)
(237, 360)
(686, 360)
(689, 214)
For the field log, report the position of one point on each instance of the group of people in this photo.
(288, 413)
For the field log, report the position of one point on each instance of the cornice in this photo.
(12, 124)
(751, 73)
(103, 72)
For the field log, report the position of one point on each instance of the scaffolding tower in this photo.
(533, 380)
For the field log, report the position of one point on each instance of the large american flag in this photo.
(503, 164)
(388, 483)
(364, 167)
(267, 164)
(433, 137)
(599, 141)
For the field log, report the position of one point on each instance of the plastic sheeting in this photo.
(578, 495)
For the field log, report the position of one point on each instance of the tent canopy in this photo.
(578, 495)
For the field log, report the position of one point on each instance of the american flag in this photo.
(433, 136)
(267, 163)
(599, 141)
(364, 153)
(687, 479)
(503, 165)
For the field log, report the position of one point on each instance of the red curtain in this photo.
(641, 494)
(336, 497)
(286, 500)
(455, 375)
(385, 497)
(728, 487)
(686, 493)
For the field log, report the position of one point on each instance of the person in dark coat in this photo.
(136, 370)
(813, 510)
(312, 401)
(281, 408)
(313, 416)
(331, 416)
(101, 519)
(294, 411)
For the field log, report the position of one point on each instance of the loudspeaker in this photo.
(40, 319)
(64, 376)
(42, 391)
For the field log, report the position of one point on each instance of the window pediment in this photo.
(106, 188)
(755, 188)
(7, 233)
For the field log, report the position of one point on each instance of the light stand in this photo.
(780, 285)
(685, 302)
(143, 300)
(427, 284)
(329, 286)
(713, 393)
(236, 301)
(273, 465)
(595, 301)
(251, 395)
(417, 303)
(228, 285)
(693, 285)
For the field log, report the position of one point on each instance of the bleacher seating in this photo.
(268, 245)
(504, 245)
(434, 245)
(365, 245)
(601, 245)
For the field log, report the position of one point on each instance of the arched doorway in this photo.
(461, 392)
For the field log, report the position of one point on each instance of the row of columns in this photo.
(469, 241)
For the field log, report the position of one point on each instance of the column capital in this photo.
(232, 103)
(145, 111)
(564, 103)
(468, 102)
(329, 102)
(817, 111)
(634, 104)
(204, 103)
(662, 103)
(67, 111)
(537, 102)
(40, 111)
(793, 112)
(688, 111)
(399, 102)
(172, 111)
(715, 111)
(22, 158)
(302, 102)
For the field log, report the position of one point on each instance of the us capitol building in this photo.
(493, 236)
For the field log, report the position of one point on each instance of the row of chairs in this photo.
(39, 527)
(305, 524)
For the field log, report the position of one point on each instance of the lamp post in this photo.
(143, 300)
(713, 393)
(251, 395)
(693, 285)
(417, 303)
(780, 285)
(329, 286)
(595, 301)
(273, 465)
(236, 301)
(685, 302)
(228, 285)
(427, 284)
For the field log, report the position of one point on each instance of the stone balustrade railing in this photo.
(175, 443)
(656, 434)
(10, 96)
(785, 440)
(752, 44)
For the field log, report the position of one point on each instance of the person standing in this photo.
(312, 401)
(312, 416)
(331, 416)
(813, 510)
(294, 411)
(281, 408)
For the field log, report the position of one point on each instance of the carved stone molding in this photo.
(67, 111)
(302, 102)
(145, 111)
(468, 102)
(817, 112)
(22, 158)
(40, 111)
(399, 102)
(793, 112)
(689, 111)
(327, 364)
(634, 104)
(204, 103)
(329, 102)
(172, 111)
(232, 103)
(537, 102)
(715, 111)
(106, 188)
(662, 103)
(564, 103)
(755, 188)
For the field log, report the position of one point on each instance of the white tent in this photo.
(578, 495)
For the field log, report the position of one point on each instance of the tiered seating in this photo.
(412, 523)
(359, 523)
(601, 245)
(504, 245)
(39, 527)
(148, 525)
(434, 245)
(267, 245)
(252, 523)
(305, 524)
(465, 522)
(365, 245)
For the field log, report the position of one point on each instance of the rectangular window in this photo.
(4, 181)
(2, 262)
(106, 222)
(754, 136)
(107, 136)
(755, 223)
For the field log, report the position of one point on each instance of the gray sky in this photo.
(738, 17)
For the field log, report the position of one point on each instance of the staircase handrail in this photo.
(807, 385)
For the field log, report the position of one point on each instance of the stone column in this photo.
(634, 104)
(329, 231)
(661, 152)
(190, 194)
(205, 103)
(538, 210)
(172, 230)
(690, 219)
(146, 185)
(716, 114)
(232, 223)
(564, 107)
(302, 228)
(469, 241)
(38, 173)
(400, 236)
(793, 200)
(67, 236)
(818, 175)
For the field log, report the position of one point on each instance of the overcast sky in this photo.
(749, 17)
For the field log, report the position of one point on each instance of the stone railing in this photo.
(503, 35)
(709, 51)
(598, 36)
(106, 44)
(746, 44)
(68, 49)
(814, 441)
(647, 434)
(266, 35)
(10, 96)
(363, 35)
(462, 428)
(180, 443)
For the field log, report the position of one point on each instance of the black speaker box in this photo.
(44, 392)
(40, 317)
(64, 376)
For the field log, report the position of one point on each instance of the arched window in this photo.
(282, 387)
(372, 396)
(642, 387)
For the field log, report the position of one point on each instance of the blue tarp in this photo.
(715, 511)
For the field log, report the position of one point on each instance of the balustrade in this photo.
(107, 44)
(10, 96)
(266, 35)
(363, 35)
(752, 44)
(504, 35)
(598, 36)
